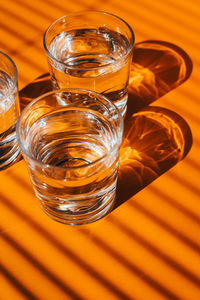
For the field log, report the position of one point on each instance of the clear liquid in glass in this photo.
(9, 112)
(92, 59)
(75, 186)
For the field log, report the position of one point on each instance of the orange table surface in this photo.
(148, 247)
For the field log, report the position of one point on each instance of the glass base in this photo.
(12, 160)
(78, 218)
(11, 157)
(9, 149)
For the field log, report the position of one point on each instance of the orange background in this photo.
(149, 246)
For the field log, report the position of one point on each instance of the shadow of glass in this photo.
(36, 88)
(157, 68)
(155, 139)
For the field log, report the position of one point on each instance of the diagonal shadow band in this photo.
(155, 139)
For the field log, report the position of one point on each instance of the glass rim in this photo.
(123, 57)
(11, 89)
(25, 110)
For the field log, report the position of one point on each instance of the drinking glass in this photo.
(9, 111)
(70, 141)
(91, 50)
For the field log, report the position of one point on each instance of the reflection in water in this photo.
(157, 68)
(155, 139)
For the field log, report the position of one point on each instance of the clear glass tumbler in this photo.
(70, 140)
(9, 111)
(91, 50)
